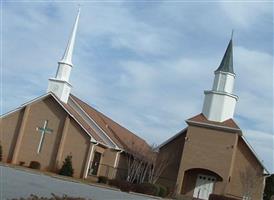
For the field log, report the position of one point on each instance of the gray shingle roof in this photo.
(227, 61)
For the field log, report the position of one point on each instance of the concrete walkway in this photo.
(16, 183)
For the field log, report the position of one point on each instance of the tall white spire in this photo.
(60, 85)
(67, 57)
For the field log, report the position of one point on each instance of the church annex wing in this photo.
(100, 128)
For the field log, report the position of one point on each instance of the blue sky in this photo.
(145, 64)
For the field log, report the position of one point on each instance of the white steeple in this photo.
(220, 102)
(60, 85)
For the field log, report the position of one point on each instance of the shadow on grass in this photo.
(53, 197)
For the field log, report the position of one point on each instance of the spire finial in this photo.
(232, 32)
(67, 57)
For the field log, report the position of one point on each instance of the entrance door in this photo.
(95, 163)
(204, 186)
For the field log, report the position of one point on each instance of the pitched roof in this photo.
(83, 123)
(201, 119)
(227, 61)
(121, 136)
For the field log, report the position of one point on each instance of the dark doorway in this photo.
(95, 163)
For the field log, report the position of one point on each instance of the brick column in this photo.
(62, 142)
(20, 135)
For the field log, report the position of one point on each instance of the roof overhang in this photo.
(172, 138)
(214, 126)
(59, 102)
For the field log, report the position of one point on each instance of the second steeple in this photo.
(220, 102)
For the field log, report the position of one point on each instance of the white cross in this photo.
(43, 130)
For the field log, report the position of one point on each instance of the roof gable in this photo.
(66, 108)
(200, 119)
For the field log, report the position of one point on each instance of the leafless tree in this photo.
(137, 162)
(159, 162)
(250, 179)
(144, 164)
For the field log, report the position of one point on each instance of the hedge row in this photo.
(219, 197)
(53, 197)
(144, 188)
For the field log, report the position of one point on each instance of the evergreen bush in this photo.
(162, 191)
(66, 169)
(34, 165)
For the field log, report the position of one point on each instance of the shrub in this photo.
(147, 188)
(21, 163)
(34, 165)
(162, 191)
(220, 197)
(102, 179)
(66, 169)
(124, 186)
(114, 182)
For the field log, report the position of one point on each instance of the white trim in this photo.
(60, 81)
(23, 105)
(58, 101)
(170, 139)
(89, 159)
(254, 153)
(116, 146)
(65, 63)
(221, 93)
(225, 73)
(116, 158)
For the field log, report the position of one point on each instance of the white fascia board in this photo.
(254, 153)
(58, 101)
(24, 104)
(116, 146)
(170, 139)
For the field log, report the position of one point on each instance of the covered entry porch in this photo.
(200, 183)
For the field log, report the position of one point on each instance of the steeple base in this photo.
(60, 88)
(219, 106)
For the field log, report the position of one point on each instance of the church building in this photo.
(211, 155)
(58, 124)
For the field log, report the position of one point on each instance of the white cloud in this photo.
(145, 68)
(245, 14)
